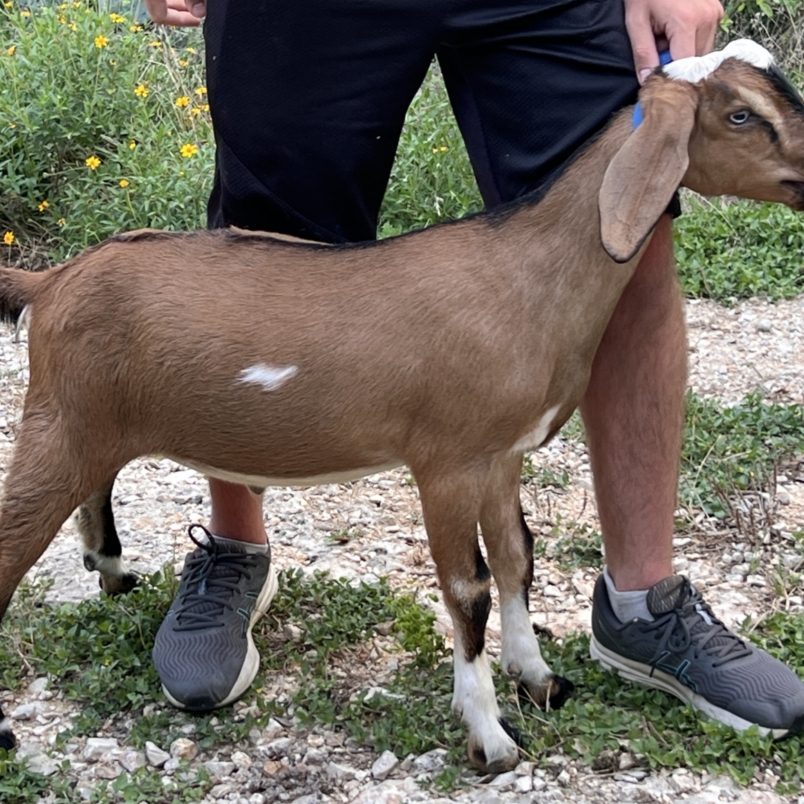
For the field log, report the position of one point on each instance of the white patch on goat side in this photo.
(475, 703)
(269, 377)
(696, 68)
(536, 437)
(521, 657)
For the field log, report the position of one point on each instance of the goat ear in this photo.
(647, 170)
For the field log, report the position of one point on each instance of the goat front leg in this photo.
(94, 520)
(451, 507)
(509, 544)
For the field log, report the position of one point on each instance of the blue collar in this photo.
(638, 117)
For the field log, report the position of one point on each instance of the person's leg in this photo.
(634, 417)
(530, 85)
(307, 100)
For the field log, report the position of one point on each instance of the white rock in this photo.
(132, 760)
(340, 772)
(220, 770)
(38, 686)
(27, 711)
(98, 747)
(504, 779)
(41, 763)
(241, 760)
(155, 755)
(523, 784)
(183, 748)
(383, 765)
(431, 761)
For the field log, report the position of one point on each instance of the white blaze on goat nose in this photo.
(696, 68)
(270, 378)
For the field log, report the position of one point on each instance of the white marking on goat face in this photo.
(536, 437)
(696, 68)
(269, 377)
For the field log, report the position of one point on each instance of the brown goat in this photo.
(453, 350)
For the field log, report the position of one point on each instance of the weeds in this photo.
(735, 448)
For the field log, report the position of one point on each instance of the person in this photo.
(308, 99)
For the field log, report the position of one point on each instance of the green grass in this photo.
(100, 653)
(733, 251)
(735, 449)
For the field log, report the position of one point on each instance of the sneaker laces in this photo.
(684, 619)
(210, 581)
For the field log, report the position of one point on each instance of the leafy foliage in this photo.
(105, 127)
(734, 447)
(730, 251)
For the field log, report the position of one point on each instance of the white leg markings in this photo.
(521, 657)
(475, 703)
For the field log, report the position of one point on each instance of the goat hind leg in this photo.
(41, 490)
(510, 549)
(94, 520)
(450, 508)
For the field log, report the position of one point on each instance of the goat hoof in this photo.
(7, 739)
(477, 756)
(114, 585)
(552, 694)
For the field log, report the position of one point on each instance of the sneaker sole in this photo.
(252, 661)
(641, 674)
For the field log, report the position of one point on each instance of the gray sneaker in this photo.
(204, 652)
(689, 653)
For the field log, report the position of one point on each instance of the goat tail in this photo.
(17, 290)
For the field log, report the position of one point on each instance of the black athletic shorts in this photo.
(308, 98)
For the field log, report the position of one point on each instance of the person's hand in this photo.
(687, 27)
(176, 12)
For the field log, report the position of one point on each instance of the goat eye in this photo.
(740, 117)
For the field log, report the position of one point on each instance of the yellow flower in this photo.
(43, 205)
(135, 28)
(9, 5)
(12, 50)
(92, 162)
(61, 19)
(61, 221)
(183, 62)
(117, 18)
(190, 49)
(124, 182)
(189, 150)
(101, 41)
(12, 125)
(201, 91)
(195, 111)
(133, 144)
(25, 13)
(8, 238)
(141, 91)
(182, 101)
(72, 26)
(156, 43)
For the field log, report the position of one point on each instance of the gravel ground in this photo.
(732, 352)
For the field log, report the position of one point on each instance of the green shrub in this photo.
(105, 127)
(728, 251)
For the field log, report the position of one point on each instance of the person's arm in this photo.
(687, 27)
(176, 12)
